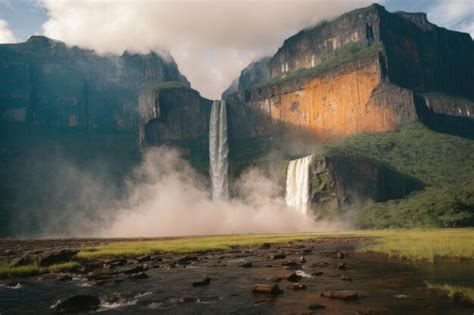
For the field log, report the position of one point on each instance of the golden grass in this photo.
(455, 292)
(190, 244)
(416, 244)
(7, 270)
(426, 244)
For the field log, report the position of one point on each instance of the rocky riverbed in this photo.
(323, 275)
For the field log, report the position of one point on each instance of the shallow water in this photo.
(385, 285)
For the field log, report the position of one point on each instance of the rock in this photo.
(246, 264)
(293, 277)
(273, 289)
(342, 294)
(186, 260)
(186, 299)
(317, 273)
(278, 256)
(265, 246)
(13, 284)
(138, 276)
(345, 278)
(101, 275)
(342, 266)
(306, 251)
(55, 256)
(316, 306)
(318, 265)
(302, 260)
(78, 303)
(289, 263)
(297, 286)
(133, 269)
(112, 263)
(202, 282)
(64, 277)
(21, 261)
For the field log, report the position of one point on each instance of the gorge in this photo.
(365, 94)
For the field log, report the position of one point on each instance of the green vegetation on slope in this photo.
(344, 54)
(442, 162)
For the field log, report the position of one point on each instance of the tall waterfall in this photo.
(218, 150)
(297, 184)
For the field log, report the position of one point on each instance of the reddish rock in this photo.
(272, 289)
(342, 294)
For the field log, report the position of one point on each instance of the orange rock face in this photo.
(329, 106)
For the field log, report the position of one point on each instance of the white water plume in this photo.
(297, 184)
(218, 151)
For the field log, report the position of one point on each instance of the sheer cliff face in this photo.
(46, 83)
(363, 71)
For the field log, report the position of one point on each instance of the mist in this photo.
(167, 197)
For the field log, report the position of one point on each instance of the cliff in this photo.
(362, 72)
(45, 83)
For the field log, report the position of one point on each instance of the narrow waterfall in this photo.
(218, 150)
(297, 184)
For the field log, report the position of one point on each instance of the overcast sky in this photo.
(210, 40)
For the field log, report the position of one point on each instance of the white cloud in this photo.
(454, 14)
(210, 40)
(6, 35)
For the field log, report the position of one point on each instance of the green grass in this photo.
(460, 293)
(424, 245)
(443, 163)
(6, 270)
(189, 244)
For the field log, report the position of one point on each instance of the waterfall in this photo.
(297, 184)
(218, 150)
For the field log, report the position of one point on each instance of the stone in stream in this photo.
(297, 286)
(64, 277)
(21, 260)
(186, 260)
(275, 279)
(138, 276)
(133, 269)
(78, 303)
(342, 266)
(272, 289)
(317, 273)
(293, 277)
(246, 264)
(202, 282)
(346, 278)
(55, 256)
(278, 256)
(289, 263)
(341, 294)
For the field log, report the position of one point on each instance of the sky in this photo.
(210, 40)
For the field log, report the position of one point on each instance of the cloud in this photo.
(456, 14)
(210, 40)
(6, 35)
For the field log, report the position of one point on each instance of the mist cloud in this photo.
(6, 35)
(167, 198)
(210, 40)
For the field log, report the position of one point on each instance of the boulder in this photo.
(272, 289)
(278, 256)
(78, 303)
(316, 306)
(138, 276)
(202, 282)
(246, 264)
(186, 260)
(55, 256)
(293, 277)
(341, 294)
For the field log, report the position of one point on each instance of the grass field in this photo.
(427, 245)
(412, 244)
